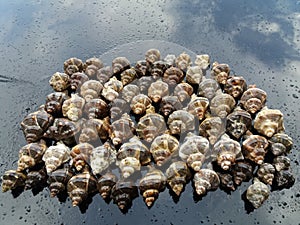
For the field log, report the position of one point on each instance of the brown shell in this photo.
(92, 65)
(12, 179)
(104, 74)
(144, 83)
(120, 64)
(222, 104)
(31, 154)
(77, 79)
(212, 128)
(163, 147)
(112, 88)
(173, 76)
(254, 148)
(266, 172)
(80, 154)
(72, 108)
(105, 184)
(54, 102)
(122, 129)
(203, 61)
(141, 68)
(268, 122)
(117, 107)
(235, 86)
(91, 89)
(181, 121)
(220, 72)
(152, 55)
(169, 104)
(208, 88)
(257, 193)
(194, 75)
(178, 175)
(58, 181)
(157, 90)
(280, 144)
(253, 99)
(226, 181)
(128, 76)
(198, 106)
(73, 65)
(80, 186)
(170, 59)
(59, 81)
(36, 179)
(140, 103)
(183, 91)
(284, 179)
(242, 171)
(183, 61)
(129, 91)
(205, 180)
(281, 163)
(96, 108)
(158, 69)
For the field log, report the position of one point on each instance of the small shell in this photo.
(95, 129)
(12, 179)
(72, 108)
(105, 184)
(194, 75)
(91, 89)
(92, 65)
(152, 55)
(266, 172)
(128, 76)
(253, 99)
(284, 179)
(242, 171)
(206, 180)
(73, 65)
(141, 68)
(31, 154)
(183, 61)
(220, 72)
(170, 59)
(227, 152)
(181, 121)
(203, 61)
(129, 91)
(178, 175)
(104, 74)
(91, 71)
(198, 106)
(212, 128)
(122, 129)
(55, 156)
(54, 102)
(96, 108)
(144, 83)
(163, 147)
(140, 103)
(169, 104)
(80, 154)
(80, 186)
(151, 184)
(173, 76)
(254, 148)
(77, 79)
(208, 88)
(183, 91)
(157, 90)
(102, 157)
(280, 144)
(36, 179)
(257, 193)
(120, 64)
(158, 69)
(59, 81)
(58, 180)
(235, 86)
(268, 122)
(226, 181)
(222, 104)
(112, 88)
(117, 107)
(281, 163)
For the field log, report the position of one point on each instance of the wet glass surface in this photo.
(259, 40)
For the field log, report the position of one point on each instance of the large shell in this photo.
(266, 172)
(198, 106)
(58, 181)
(129, 91)
(208, 88)
(35, 124)
(91, 89)
(157, 90)
(227, 151)
(140, 103)
(152, 55)
(193, 150)
(203, 61)
(235, 86)
(163, 147)
(181, 121)
(117, 107)
(150, 126)
(105, 184)
(72, 108)
(280, 144)
(59, 81)
(104, 74)
(212, 128)
(183, 61)
(128, 76)
(122, 129)
(178, 174)
(169, 104)
(80, 186)
(222, 104)
(55, 156)
(80, 154)
(92, 65)
(144, 83)
(206, 180)
(36, 179)
(194, 75)
(253, 99)
(254, 148)
(151, 184)
(112, 88)
(102, 157)
(120, 64)
(220, 72)
(281, 163)
(158, 69)
(54, 102)
(12, 179)
(257, 193)
(31, 154)
(77, 79)
(242, 171)
(131, 156)
(173, 76)
(96, 108)
(73, 65)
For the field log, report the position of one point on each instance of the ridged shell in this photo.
(169, 104)
(208, 88)
(128, 76)
(253, 99)
(235, 86)
(280, 144)
(163, 147)
(144, 83)
(220, 72)
(73, 65)
(59, 81)
(254, 148)
(152, 55)
(212, 128)
(183, 61)
(92, 65)
(95, 130)
(194, 75)
(96, 108)
(281, 163)
(266, 172)
(77, 79)
(36, 179)
(178, 175)
(222, 104)
(105, 184)
(55, 156)
(129, 91)
(158, 69)
(72, 108)
(104, 74)
(157, 90)
(170, 59)
(58, 181)
(141, 68)
(203, 61)
(120, 64)
(117, 107)
(173, 76)
(140, 103)
(153, 182)
(284, 179)
(183, 91)
(257, 193)
(205, 180)
(198, 106)
(91, 89)
(80, 154)
(122, 129)
(181, 121)
(54, 102)
(12, 179)
(242, 171)
(111, 89)
(226, 181)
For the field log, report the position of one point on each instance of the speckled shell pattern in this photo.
(127, 128)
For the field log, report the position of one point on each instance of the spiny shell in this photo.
(12, 179)
(58, 180)
(80, 186)
(194, 75)
(153, 182)
(266, 172)
(206, 180)
(280, 144)
(59, 81)
(178, 174)
(104, 74)
(242, 171)
(226, 181)
(117, 107)
(102, 157)
(227, 151)
(193, 150)
(212, 128)
(257, 193)
(73, 65)
(129, 91)
(72, 108)
(96, 108)
(253, 99)
(198, 106)
(183, 61)
(35, 124)
(169, 104)
(144, 83)
(181, 121)
(92, 65)
(112, 88)
(158, 69)
(55, 156)
(203, 61)
(163, 147)
(141, 68)
(128, 76)
(31, 154)
(150, 126)
(254, 148)
(122, 129)
(91, 89)
(105, 184)
(152, 55)
(281, 163)
(235, 86)
(157, 90)
(36, 179)
(208, 88)
(222, 104)
(140, 103)
(54, 102)
(284, 179)
(173, 76)
(80, 154)
(77, 79)
(220, 72)
(120, 64)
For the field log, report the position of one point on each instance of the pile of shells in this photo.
(127, 128)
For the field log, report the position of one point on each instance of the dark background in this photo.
(260, 40)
